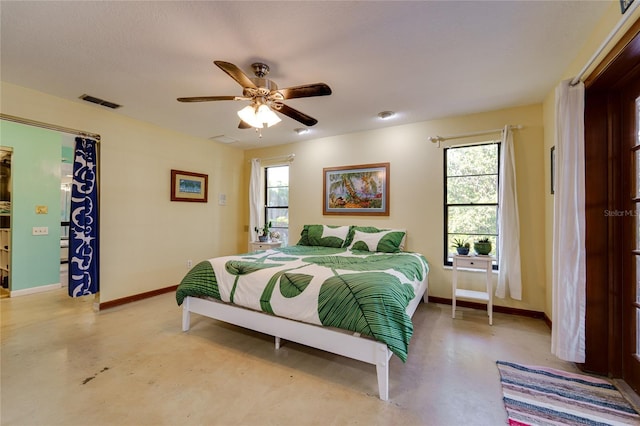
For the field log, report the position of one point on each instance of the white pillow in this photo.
(372, 240)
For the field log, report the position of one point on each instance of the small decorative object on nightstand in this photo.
(484, 263)
(265, 232)
(261, 246)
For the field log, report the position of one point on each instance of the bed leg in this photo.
(186, 315)
(382, 369)
(277, 342)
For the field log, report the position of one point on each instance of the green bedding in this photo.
(360, 291)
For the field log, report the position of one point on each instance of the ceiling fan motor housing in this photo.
(264, 87)
(260, 69)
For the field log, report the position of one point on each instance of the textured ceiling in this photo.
(424, 60)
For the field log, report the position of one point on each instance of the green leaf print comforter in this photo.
(360, 291)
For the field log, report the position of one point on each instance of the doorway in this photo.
(5, 220)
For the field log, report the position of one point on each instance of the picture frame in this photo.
(189, 186)
(356, 190)
(553, 170)
(624, 5)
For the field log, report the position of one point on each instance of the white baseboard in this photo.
(33, 290)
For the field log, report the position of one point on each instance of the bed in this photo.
(347, 290)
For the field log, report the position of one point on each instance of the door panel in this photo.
(630, 100)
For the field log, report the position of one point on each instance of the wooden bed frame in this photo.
(334, 340)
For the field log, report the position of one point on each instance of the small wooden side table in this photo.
(484, 263)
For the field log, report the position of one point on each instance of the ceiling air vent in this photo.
(99, 101)
(223, 139)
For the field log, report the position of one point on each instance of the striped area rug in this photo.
(545, 396)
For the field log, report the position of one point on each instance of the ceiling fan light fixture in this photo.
(258, 117)
(248, 115)
(264, 114)
(301, 130)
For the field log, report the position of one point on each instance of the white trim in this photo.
(34, 290)
(337, 341)
(627, 14)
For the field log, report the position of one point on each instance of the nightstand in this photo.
(259, 246)
(482, 263)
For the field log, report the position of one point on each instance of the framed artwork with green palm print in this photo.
(356, 190)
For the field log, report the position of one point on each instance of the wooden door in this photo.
(630, 105)
(612, 213)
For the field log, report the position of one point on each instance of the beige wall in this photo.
(583, 54)
(145, 238)
(416, 192)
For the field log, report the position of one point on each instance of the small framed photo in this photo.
(356, 190)
(553, 170)
(189, 186)
(624, 5)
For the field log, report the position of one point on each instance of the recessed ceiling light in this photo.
(301, 130)
(385, 115)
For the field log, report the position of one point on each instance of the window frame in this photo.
(448, 261)
(267, 207)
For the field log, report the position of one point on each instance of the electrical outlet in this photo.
(189, 263)
(40, 230)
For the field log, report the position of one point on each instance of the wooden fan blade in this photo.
(306, 91)
(295, 114)
(211, 98)
(236, 73)
(244, 125)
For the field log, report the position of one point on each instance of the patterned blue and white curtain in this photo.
(83, 230)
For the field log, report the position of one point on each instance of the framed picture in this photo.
(624, 5)
(189, 186)
(356, 190)
(553, 170)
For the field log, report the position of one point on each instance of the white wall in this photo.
(145, 238)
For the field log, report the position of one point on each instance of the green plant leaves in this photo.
(292, 285)
(199, 281)
(370, 303)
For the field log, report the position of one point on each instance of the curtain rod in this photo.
(606, 41)
(439, 139)
(288, 157)
(55, 127)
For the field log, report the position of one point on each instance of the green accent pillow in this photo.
(328, 236)
(373, 239)
(304, 236)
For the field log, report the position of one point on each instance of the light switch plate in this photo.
(40, 230)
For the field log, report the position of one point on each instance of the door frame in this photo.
(604, 192)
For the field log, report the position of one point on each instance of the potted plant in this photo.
(265, 232)
(482, 246)
(461, 245)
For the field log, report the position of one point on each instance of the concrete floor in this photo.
(64, 364)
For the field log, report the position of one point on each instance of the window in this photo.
(277, 200)
(471, 195)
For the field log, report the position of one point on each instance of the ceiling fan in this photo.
(265, 97)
